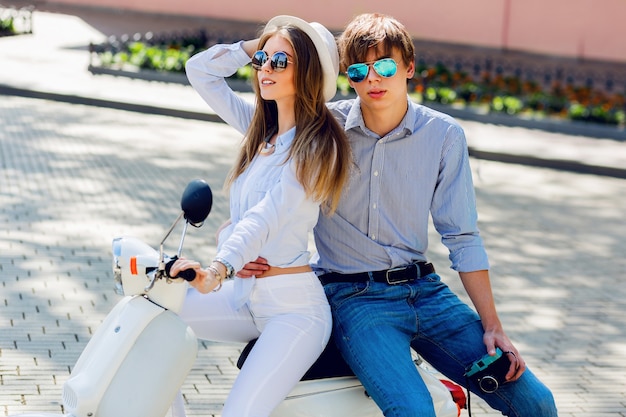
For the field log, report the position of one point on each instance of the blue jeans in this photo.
(375, 323)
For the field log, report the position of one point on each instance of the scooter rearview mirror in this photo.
(196, 202)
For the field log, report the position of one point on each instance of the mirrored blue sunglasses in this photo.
(385, 67)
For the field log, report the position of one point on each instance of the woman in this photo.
(294, 158)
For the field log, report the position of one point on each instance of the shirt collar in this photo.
(355, 118)
(283, 142)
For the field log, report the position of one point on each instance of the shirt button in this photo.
(375, 205)
(375, 173)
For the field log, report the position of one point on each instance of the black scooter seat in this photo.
(330, 364)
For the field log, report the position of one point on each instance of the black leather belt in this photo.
(392, 276)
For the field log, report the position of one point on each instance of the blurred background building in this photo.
(580, 29)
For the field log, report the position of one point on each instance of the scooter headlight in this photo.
(117, 269)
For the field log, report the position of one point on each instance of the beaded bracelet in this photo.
(217, 275)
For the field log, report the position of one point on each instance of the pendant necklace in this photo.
(268, 148)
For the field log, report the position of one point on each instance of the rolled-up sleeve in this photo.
(454, 206)
(207, 71)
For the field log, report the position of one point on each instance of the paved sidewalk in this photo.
(72, 177)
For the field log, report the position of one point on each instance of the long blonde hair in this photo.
(320, 148)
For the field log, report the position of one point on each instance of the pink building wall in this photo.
(591, 29)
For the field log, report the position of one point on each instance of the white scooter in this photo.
(141, 354)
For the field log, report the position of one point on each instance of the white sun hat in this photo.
(325, 45)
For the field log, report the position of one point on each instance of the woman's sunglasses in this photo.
(278, 61)
(385, 67)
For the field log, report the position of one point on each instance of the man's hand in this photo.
(478, 287)
(498, 338)
(256, 267)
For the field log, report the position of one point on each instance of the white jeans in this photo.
(290, 316)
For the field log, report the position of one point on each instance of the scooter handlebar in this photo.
(187, 274)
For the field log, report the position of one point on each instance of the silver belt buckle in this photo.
(398, 281)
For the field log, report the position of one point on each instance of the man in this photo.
(409, 161)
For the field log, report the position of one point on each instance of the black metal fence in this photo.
(478, 62)
(198, 39)
(545, 70)
(507, 81)
(164, 52)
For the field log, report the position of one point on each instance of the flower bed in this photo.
(514, 96)
(489, 92)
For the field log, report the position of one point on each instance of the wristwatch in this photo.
(230, 272)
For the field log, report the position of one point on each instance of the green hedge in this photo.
(6, 26)
(500, 94)
(515, 96)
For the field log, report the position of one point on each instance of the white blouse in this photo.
(271, 215)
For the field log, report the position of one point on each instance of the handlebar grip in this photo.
(187, 274)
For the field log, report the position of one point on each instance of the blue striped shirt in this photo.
(419, 168)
